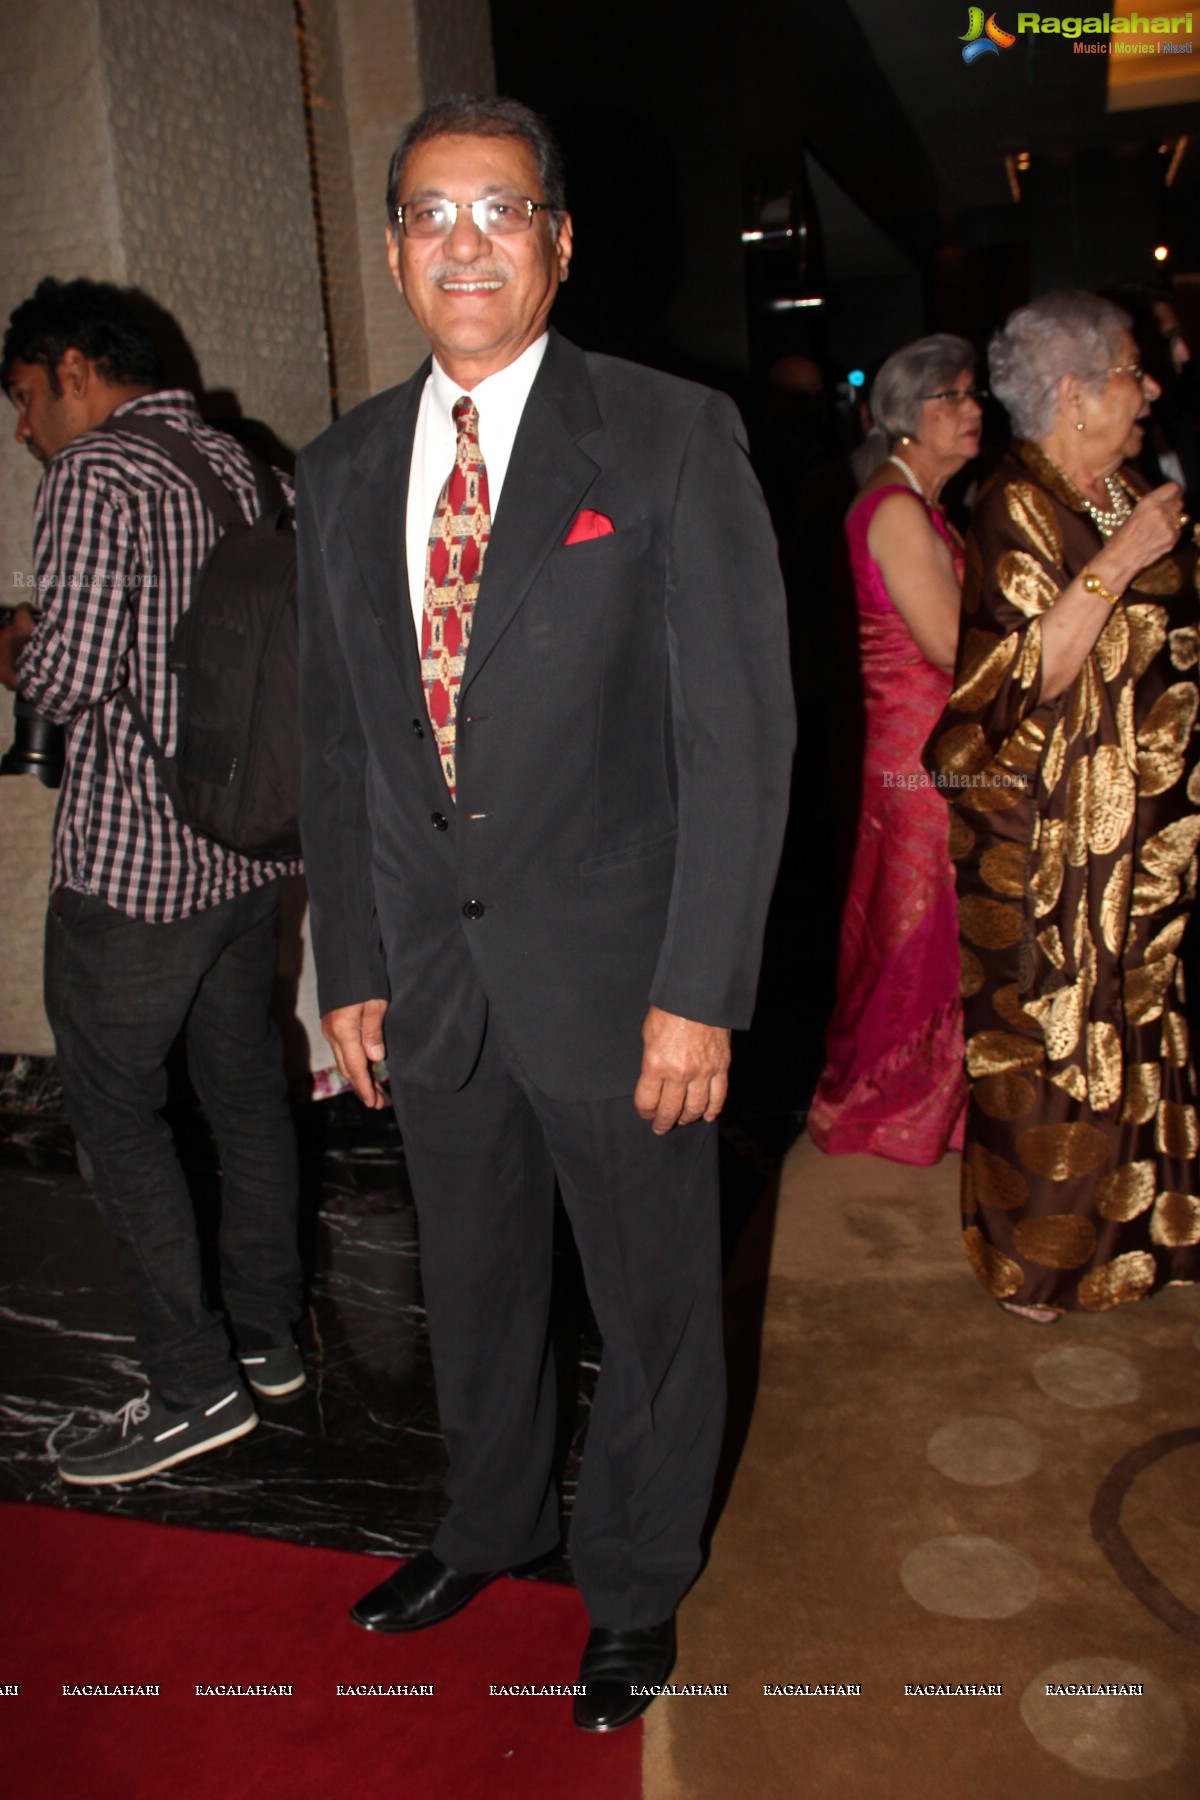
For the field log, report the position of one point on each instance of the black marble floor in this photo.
(353, 1462)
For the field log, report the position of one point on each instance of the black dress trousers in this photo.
(644, 1211)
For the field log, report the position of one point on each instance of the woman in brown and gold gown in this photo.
(1067, 752)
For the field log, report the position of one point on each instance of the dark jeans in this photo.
(643, 1210)
(118, 994)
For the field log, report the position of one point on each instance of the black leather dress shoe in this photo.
(620, 1669)
(421, 1592)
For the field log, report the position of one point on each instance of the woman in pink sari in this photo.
(893, 1083)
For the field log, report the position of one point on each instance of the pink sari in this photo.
(893, 1083)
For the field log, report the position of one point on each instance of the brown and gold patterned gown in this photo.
(1074, 829)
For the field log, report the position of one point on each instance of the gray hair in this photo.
(1068, 332)
(484, 115)
(912, 373)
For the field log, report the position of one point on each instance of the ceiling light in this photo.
(800, 300)
(1161, 253)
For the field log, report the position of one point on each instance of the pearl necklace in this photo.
(1105, 522)
(908, 475)
(1108, 522)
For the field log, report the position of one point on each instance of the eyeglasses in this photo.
(956, 396)
(1139, 374)
(499, 215)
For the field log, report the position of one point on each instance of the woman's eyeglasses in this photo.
(957, 396)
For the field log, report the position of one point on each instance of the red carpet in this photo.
(96, 1600)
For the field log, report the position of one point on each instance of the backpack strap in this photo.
(164, 765)
(199, 471)
(225, 512)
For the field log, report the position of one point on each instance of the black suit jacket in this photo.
(625, 728)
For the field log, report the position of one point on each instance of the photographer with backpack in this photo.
(155, 929)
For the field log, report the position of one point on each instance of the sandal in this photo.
(1037, 1315)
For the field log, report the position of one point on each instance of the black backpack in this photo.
(235, 775)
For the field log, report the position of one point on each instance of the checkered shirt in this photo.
(119, 533)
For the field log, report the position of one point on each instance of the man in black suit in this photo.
(547, 741)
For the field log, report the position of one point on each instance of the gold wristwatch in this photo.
(1094, 585)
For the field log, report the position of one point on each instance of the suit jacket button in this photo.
(418, 728)
(439, 821)
(474, 909)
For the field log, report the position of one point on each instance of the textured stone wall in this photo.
(57, 202)
(334, 202)
(382, 89)
(368, 66)
(456, 48)
(206, 123)
(159, 143)
(179, 146)
(394, 60)
(58, 216)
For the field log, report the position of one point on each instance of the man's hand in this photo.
(13, 638)
(684, 1071)
(355, 1035)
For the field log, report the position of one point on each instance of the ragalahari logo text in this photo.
(982, 39)
(1123, 34)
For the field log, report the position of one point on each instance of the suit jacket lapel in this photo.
(548, 475)
(373, 513)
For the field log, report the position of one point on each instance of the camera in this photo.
(39, 746)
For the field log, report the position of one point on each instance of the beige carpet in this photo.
(913, 1506)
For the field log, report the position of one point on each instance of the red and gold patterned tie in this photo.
(458, 537)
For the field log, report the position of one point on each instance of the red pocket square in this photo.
(589, 524)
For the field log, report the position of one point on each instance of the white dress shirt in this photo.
(500, 400)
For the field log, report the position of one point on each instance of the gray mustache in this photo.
(471, 272)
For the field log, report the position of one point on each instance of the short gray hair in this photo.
(910, 374)
(484, 115)
(1068, 332)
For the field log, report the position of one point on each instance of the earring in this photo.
(904, 438)
(1079, 424)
